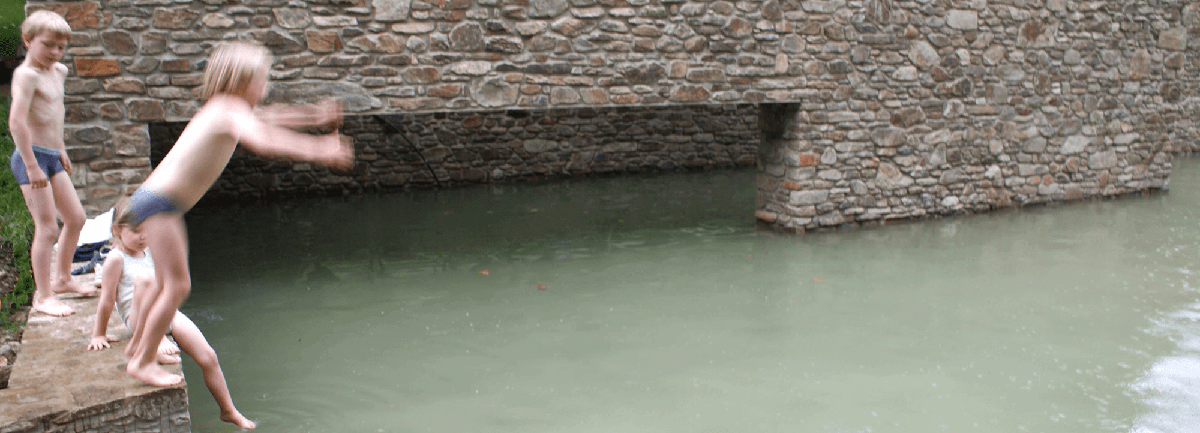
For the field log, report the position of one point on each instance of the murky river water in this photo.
(663, 310)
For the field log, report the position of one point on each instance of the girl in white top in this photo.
(134, 267)
(127, 282)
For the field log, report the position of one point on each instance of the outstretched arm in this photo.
(271, 140)
(110, 277)
(322, 113)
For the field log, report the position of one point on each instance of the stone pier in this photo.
(57, 385)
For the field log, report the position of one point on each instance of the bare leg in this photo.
(193, 343)
(145, 289)
(167, 238)
(40, 203)
(71, 212)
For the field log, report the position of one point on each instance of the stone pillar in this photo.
(109, 162)
(778, 161)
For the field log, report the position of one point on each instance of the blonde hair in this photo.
(43, 21)
(232, 67)
(121, 215)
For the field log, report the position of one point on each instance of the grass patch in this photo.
(16, 227)
(12, 12)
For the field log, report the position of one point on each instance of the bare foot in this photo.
(239, 420)
(166, 347)
(72, 286)
(163, 358)
(153, 375)
(53, 307)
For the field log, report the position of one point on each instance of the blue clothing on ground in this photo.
(145, 203)
(49, 160)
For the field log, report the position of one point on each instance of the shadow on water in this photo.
(652, 304)
(481, 225)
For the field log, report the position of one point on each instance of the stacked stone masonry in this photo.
(961, 107)
(464, 148)
(165, 411)
(869, 109)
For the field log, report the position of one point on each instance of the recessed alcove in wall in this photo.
(449, 149)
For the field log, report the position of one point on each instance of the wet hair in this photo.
(121, 215)
(231, 68)
(43, 21)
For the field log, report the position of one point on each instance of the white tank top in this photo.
(133, 267)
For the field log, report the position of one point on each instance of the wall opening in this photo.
(452, 149)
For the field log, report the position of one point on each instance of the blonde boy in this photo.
(40, 162)
(235, 81)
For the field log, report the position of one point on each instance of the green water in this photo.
(665, 311)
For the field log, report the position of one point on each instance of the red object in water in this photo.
(484, 272)
(541, 287)
(817, 279)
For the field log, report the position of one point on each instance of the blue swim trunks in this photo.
(48, 159)
(145, 203)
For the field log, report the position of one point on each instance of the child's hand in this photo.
(329, 112)
(66, 162)
(37, 177)
(335, 151)
(101, 343)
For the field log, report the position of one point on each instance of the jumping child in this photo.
(40, 161)
(128, 282)
(235, 81)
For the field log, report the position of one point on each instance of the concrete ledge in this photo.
(57, 385)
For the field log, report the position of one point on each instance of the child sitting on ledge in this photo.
(128, 281)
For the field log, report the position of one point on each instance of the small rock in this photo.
(905, 73)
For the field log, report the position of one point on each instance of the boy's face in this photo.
(46, 48)
(257, 90)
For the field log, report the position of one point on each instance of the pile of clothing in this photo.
(93, 244)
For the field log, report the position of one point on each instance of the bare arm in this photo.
(291, 116)
(23, 84)
(110, 279)
(271, 140)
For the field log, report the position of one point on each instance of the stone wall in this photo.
(973, 106)
(162, 411)
(133, 62)
(883, 109)
(465, 148)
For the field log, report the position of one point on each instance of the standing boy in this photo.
(40, 162)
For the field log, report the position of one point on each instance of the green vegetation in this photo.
(16, 226)
(12, 12)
